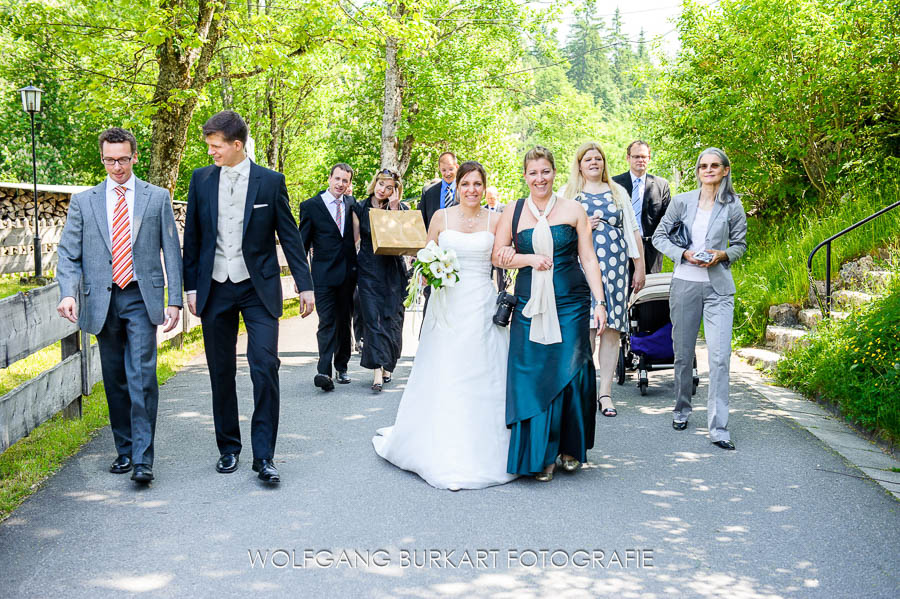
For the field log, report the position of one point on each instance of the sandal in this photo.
(608, 412)
(377, 387)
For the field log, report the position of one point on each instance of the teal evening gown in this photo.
(551, 389)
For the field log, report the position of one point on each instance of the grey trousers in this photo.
(689, 302)
(128, 362)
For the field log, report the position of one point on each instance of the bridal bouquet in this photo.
(439, 268)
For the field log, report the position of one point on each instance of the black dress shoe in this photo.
(679, 426)
(227, 464)
(324, 382)
(724, 444)
(143, 473)
(121, 465)
(267, 471)
(343, 379)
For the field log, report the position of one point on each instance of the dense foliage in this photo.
(856, 364)
(800, 94)
(484, 79)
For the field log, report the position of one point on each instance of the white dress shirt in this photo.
(329, 199)
(112, 198)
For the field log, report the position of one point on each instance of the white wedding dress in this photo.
(451, 424)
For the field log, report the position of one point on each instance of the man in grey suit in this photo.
(110, 248)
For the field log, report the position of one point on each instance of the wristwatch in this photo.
(602, 303)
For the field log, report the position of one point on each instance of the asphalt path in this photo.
(656, 512)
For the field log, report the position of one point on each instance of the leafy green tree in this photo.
(798, 93)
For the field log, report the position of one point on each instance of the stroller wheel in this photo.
(694, 385)
(643, 382)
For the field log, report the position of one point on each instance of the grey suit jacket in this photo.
(85, 254)
(727, 231)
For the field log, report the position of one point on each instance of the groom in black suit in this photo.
(649, 197)
(326, 227)
(235, 208)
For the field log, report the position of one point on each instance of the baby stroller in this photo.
(649, 344)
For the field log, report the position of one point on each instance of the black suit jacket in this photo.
(334, 255)
(430, 202)
(656, 201)
(267, 211)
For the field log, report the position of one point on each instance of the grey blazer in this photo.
(85, 254)
(727, 231)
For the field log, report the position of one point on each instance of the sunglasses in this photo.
(713, 165)
(390, 174)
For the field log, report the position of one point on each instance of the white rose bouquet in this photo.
(439, 268)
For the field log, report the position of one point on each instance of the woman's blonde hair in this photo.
(576, 181)
(386, 174)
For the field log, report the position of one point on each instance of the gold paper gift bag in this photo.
(397, 232)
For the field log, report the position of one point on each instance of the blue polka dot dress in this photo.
(612, 254)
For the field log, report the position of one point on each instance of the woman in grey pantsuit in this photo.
(704, 290)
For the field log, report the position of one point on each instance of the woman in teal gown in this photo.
(551, 382)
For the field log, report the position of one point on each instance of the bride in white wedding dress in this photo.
(451, 424)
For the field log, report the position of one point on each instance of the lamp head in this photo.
(31, 99)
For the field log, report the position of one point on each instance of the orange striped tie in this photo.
(123, 269)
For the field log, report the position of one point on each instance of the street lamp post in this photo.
(31, 103)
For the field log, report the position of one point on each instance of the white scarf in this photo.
(541, 307)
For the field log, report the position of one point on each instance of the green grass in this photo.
(10, 284)
(773, 271)
(855, 364)
(30, 461)
(26, 369)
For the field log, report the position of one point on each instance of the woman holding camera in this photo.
(551, 385)
(381, 283)
(702, 286)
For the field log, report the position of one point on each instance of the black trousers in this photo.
(334, 306)
(128, 361)
(227, 301)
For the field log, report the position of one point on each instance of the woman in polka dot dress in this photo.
(616, 239)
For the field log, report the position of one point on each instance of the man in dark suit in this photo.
(326, 226)
(650, 197)
(235, 208)
(110, 250)
(441, 194)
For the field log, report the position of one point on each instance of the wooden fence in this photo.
(29, 323)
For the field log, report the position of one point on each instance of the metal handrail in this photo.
(826, 309)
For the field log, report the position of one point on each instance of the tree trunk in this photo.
(227, 88)
(182, 68)
(393, 105)
(272, 149)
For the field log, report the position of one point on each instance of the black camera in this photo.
(506, 303)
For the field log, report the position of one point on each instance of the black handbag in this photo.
(680, 235)
(506, 302)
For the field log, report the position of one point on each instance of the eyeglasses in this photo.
(119, 161)
(390, 174)
(704, 166)
(639, 157)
